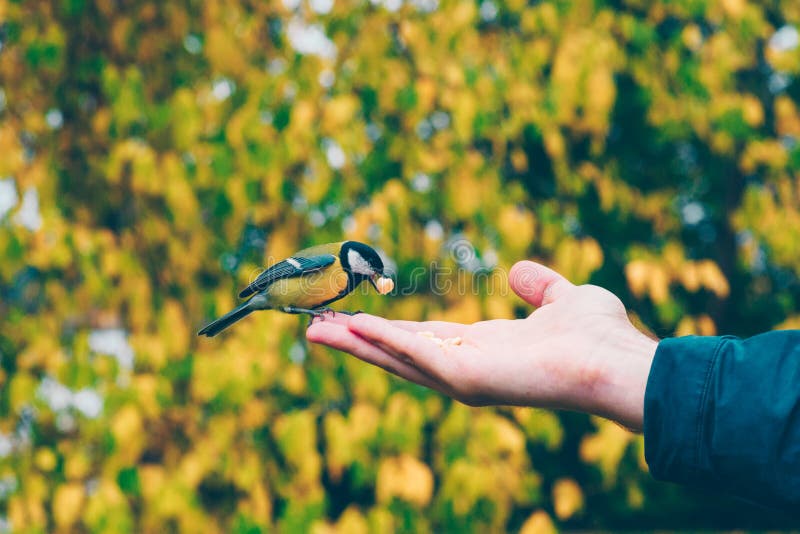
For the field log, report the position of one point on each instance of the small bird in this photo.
(308, 281)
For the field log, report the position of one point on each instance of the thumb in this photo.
(537, 284)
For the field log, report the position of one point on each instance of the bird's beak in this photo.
(382, 284)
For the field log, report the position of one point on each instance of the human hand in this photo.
(577, 351)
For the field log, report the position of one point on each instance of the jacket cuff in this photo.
(674, 404)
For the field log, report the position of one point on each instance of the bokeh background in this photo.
(154, 155)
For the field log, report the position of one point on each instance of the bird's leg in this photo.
(350, 313)
(316, 313)
(295, 310)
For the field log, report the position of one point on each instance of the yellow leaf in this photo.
(791, 323)
(635, 496)
(578, 259)
(567, 498)
(787, 118)
(303, 114)
(222, 51)
(541, 426)
(636, 274)
(554, 143)
(605, 448)
(107, 509)
(175, 331)
(67, 503)
(426, 93)
(712, 278)
(151, 478)
(702, 325)
(706, 326)
(77, 466)
(690, 277)
(338, 112)
(406, 478)
(352, 521)
(128, 433)
(498, 306)
(538, 523)
(752, 111)
(600, 98)
(464, 192)
(45, 459)
(686, 327)
(517, 227)
(692, 36)
(254, 414)
(21, 390)
(519, 160)
(467, 309)
(259, 505)
(12, 161)
(294, 379)
(658, 284)
(734, 8)
(381, 520)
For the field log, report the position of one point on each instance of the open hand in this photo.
(577, 351)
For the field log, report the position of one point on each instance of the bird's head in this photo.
(362, 262)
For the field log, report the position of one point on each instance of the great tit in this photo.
(309, 281)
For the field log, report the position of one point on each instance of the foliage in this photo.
(154, 155)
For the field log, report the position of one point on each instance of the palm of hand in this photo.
(538, 360)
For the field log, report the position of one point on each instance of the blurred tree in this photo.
(154, 155)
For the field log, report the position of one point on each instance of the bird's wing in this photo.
(288, 268)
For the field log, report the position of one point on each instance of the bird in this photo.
(308, 281)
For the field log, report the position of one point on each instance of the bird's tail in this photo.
(215, 327)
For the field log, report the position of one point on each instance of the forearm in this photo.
(724, 413)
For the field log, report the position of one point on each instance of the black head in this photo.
(360, 261)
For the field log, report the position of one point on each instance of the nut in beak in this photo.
(382, 284)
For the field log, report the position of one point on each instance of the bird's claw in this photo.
(319, 313)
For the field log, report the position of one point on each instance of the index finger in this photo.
(339, 337)
(442, 329)
(417, 350)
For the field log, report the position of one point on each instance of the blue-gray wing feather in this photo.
(288, 268)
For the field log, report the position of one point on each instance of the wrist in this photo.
(618, 377)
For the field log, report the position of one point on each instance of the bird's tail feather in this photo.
(215, 327)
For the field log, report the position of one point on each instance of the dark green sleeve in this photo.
(724, 413)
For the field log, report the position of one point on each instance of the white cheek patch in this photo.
(358, 264)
